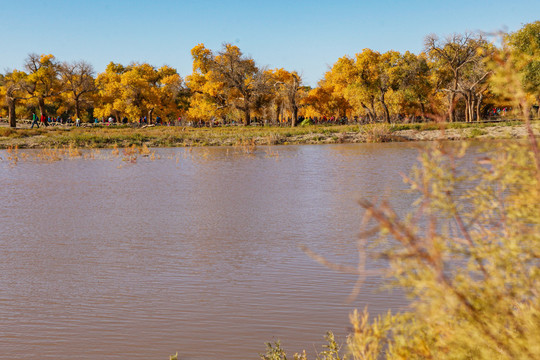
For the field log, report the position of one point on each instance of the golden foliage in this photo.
(138, 90)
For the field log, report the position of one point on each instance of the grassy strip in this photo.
(164, 136)
(460, 125)
(161, 136)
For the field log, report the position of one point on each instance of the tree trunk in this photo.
(423, 108)
(467, 108)
(451, 99)
(247, 114)
(386, 112)
(470, 107)
(478, 104)
(41, 104)
(150, 112)
(294, 116)
(77, 108)
(473, 107)
(278, 111)
(373, 112)
(247, 117)
(368, 112)
(11, 112)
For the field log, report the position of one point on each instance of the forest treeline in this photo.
(450, 80)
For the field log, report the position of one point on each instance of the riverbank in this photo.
(165, 136)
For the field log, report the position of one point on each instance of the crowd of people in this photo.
(51, 120)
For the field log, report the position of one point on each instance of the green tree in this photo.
(526, 43)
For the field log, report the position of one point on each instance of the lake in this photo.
(195, 251)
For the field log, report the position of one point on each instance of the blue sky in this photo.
(306, 36)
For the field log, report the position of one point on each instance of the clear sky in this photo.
(301, 35)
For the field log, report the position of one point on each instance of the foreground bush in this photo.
(468, 257)
(472, 267)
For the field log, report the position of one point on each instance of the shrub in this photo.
(376, 132)
(468, 256)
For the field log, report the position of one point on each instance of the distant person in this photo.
(34, 121)
(43, 120)
(77, 122)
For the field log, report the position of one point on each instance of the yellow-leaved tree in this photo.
(225, 81)
(12, 90)
(417, 92)
(325, 101)
(138, 90)
(208, 97)
(42, 82)
(110, 92)
(368, 82)
(287, 92)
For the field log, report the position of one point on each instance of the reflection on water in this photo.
(103, 259)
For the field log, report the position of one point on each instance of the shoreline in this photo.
(164, 136)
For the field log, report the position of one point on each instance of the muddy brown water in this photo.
(196, 252)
